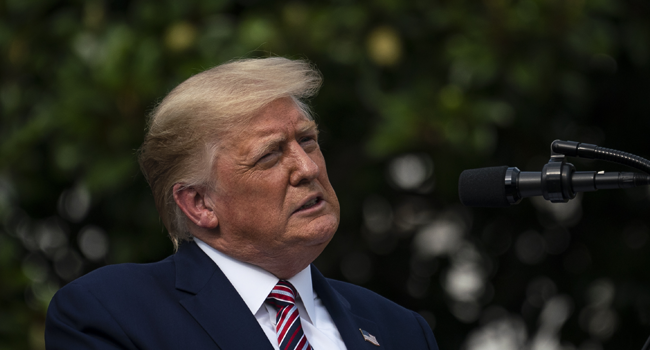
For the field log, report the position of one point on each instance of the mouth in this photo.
(309, 204)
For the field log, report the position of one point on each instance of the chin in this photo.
(322, 229)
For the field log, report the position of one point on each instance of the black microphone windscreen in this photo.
(484, 187)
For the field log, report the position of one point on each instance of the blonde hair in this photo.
(185, 129)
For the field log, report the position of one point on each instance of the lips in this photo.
(309, 203)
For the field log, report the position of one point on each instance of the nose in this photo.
(304, 168)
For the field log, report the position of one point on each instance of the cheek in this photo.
(325, 182)
(320, 162)
(252, 189)
(255, 206)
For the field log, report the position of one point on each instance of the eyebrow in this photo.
(307, 127)
(271, 142)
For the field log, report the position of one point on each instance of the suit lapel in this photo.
(214, 303)
(347, 323)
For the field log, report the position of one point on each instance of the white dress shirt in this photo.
(254, 284)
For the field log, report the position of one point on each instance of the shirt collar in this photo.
(254, 283)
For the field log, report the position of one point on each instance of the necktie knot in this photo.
(288, 327)
(282, 295)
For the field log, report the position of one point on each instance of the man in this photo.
(239, 180)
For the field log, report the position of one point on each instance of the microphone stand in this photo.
(585, 150)
(557, 167)
(561, 181)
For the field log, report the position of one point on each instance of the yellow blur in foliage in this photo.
(384, 46)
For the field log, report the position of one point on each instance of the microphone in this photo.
(503, 186)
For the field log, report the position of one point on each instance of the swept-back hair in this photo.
(185, 130)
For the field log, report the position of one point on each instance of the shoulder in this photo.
(368, 302)
(400, 324)
(108, 306)
(109, 294)
(120, 281)
(359, 300)
(354, 292)
(127, 271)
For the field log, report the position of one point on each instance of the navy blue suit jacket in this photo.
(186, 302)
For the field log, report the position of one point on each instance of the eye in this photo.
(308, 139)
(268, 157)
(309, 143)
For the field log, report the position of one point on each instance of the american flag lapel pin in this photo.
(369, 337)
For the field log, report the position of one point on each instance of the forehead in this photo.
(284, 125)
(281, 113)
(274, 123)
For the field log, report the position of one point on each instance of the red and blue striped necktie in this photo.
(287, 327)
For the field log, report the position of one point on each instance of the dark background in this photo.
(414, 92)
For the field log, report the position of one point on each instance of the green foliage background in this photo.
(451, 84)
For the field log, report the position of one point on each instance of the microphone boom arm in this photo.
(560, 181)
(589, 151)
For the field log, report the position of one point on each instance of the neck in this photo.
(283, 264)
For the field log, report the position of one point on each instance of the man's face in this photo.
(272, 195)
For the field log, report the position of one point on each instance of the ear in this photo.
(196, 206)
